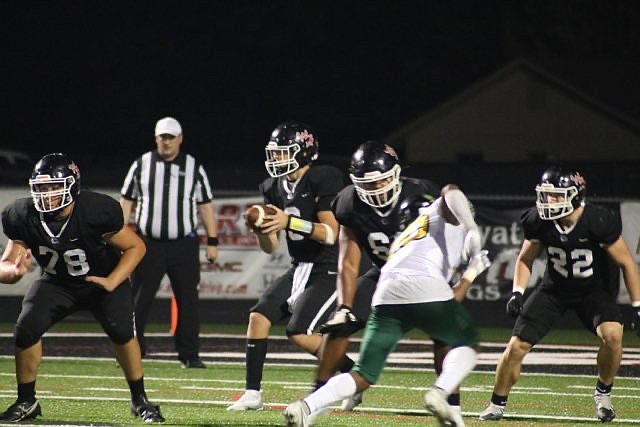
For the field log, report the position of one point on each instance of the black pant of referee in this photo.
(180, 260)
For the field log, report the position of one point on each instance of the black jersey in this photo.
(76, 249)
(313, 193)
(576, 261)
(375, 232)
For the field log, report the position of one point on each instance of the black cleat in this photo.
(19, 411)
(193, 363)
(148, 412)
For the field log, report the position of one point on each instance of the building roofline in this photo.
(514, 66)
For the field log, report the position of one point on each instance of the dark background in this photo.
(92, 78)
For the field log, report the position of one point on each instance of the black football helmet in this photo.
(54, 183)
(375, 173)
(412, 207)
(560, 191)
(291, 146)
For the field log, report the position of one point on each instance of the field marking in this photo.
(486, 344)
(280, 406)
(312, 364)
(298, 384)
(616, 387)
(290, 384)
(422, 358)
(419, 358)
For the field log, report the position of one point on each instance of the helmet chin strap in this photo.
(59, 214)
(386, 211)
(55, 237)
(290, 186)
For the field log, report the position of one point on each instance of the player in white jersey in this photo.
(413, 292)
(431, 250)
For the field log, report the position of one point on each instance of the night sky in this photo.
(92, 78)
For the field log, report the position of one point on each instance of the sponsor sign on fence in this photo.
(243, 271)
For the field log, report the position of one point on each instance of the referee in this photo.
(169, 189)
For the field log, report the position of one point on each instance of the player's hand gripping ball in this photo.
(254, 215)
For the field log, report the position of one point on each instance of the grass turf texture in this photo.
(94, 392)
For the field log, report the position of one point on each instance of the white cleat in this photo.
(315, 416)
(604, 408)
(297, 414)
(251, 400)
(351, 402)
(435, 401)
(492, 413)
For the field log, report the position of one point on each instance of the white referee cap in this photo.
(168, 125)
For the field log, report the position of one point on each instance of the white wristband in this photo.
(330, 238)
(635, 304)
(470, 274)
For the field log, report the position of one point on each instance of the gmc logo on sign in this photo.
(227, 267)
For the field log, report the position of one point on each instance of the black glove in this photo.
(343, 323)
(514, 305)
(635, 320)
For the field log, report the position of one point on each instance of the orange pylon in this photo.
(174, 315)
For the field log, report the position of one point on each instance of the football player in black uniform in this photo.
(577, 237)
(368, 213)
(302, 195)
(86, 254)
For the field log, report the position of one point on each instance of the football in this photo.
(255, 215)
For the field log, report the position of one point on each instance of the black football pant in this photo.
(180, 260)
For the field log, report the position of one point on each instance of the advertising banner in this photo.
(630, 212)
(242, 270)
(502, 236)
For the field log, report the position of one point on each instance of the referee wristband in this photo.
(212, 241)
(300, 225)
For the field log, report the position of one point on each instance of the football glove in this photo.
(514, 305)
(635, 320)
(343, 323)
(477, 265)
(480, 261)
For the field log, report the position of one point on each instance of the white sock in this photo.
(458, 363)
(337, 388)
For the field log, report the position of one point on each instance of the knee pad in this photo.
(25, 338)
(120, 335)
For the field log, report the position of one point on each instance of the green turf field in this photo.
(83, 391)
(93, 392)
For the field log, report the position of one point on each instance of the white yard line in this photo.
(280, 405)
(500, 345)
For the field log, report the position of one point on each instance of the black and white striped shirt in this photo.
(166, 194)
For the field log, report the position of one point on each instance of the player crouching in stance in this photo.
(577, 238)
(414, 292)
(86, 252)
